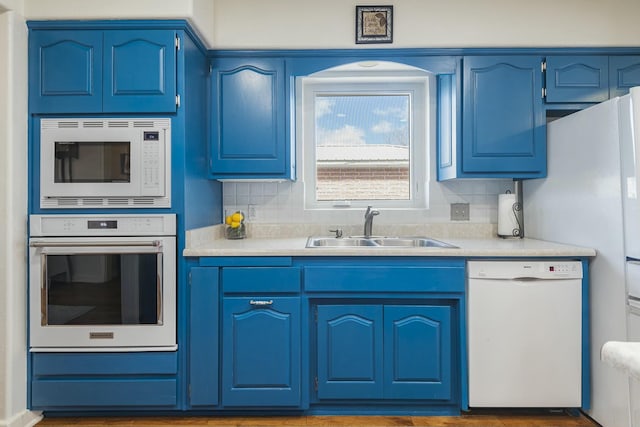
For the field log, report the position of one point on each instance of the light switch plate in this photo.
(459, 211)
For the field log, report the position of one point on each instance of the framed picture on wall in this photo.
(374, 24)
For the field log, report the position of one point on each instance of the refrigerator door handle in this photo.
(633, 277)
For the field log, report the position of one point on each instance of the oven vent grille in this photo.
(93, 124)
(67, 201)
(118, 124)
(138, 201)
(100, 124)
(92, 201)
(143, 124)
(68, 124)
(115, 201)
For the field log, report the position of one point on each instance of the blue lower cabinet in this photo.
(69, 381)
(350, 344)
(102, 393)
(261, 354)
(384, 352)
(203, 336)
(417, 352)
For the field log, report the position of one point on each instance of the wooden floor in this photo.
(494, 419)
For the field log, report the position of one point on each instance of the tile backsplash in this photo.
(283, 202)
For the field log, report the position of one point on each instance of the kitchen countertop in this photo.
(211, 243)
(624, 356)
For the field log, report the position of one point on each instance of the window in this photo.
(364, 136)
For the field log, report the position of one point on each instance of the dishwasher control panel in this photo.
(553, 269)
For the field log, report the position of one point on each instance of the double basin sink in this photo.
(376, 242)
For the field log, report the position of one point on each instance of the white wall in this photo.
(277, 24)
(13, 210)
(199, 12)
(428, 23)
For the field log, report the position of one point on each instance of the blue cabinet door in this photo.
(577, 79)
(65, 71)
(418, 352)
(350, 352)
(390, 352)
(93, 71)
(203, 336)
(504, 125)
(624, 73)
(140, 71)
(261, 352)
(248, 119)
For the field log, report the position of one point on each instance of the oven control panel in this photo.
(102, 225)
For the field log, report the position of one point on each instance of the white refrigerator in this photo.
(590, 198)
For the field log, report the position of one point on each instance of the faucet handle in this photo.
(371, 212)
(338, 232)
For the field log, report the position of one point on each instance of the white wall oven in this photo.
(102, 283)
(115, 163)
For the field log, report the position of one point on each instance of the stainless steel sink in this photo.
(412, 242)
(376, 242)
(333, 242)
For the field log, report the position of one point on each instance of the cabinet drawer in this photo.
(384, 279)
(101, 393)
(261, 279)
(68, 364)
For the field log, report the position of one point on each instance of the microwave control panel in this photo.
(152, 163)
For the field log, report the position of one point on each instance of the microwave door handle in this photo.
(154, 243)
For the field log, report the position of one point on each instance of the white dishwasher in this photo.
(524, 326)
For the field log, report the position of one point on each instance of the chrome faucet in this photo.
(368, 221)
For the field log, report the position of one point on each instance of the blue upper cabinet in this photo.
(140, 71)
(65, 71)
(248, 119)
(94, 71)
(503, 118)
(624, 73)
(577, 79)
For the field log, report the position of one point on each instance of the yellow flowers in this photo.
(236, 229)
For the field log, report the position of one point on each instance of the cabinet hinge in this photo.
(543, 66)
(189, 278)
(315, 383)
(544, 92)
(178, 101)
(177, 42)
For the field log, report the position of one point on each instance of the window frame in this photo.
(414, 82)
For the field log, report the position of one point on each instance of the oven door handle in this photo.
(154, 243)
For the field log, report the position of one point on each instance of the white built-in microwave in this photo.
(105, 163)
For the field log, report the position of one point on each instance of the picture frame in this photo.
(374, 24)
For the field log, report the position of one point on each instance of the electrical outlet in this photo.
(459, 211)
(251, 212)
